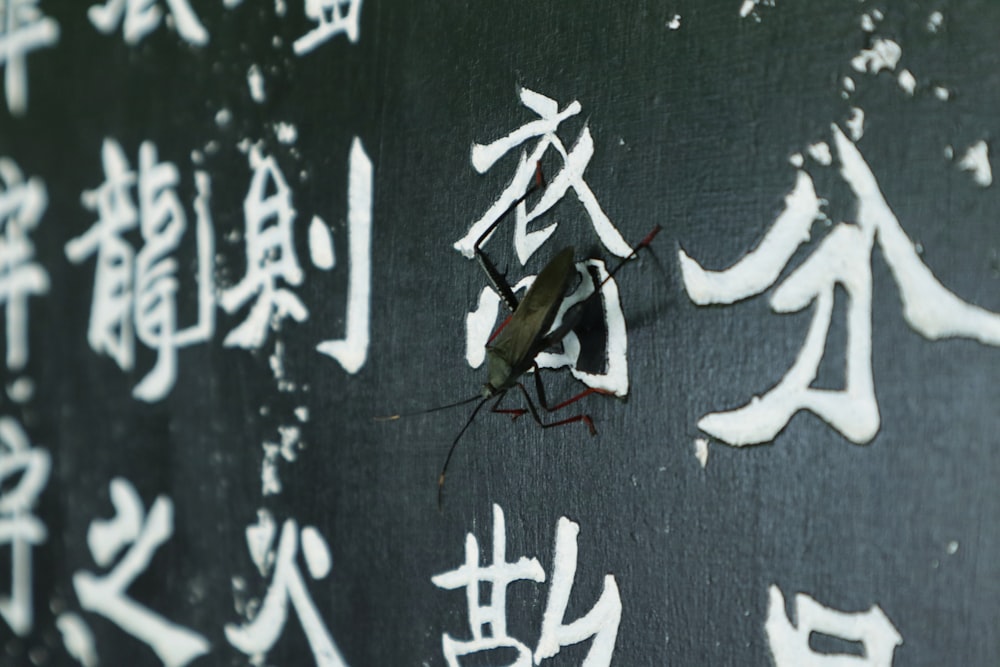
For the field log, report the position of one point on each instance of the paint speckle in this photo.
(977, 161)
(796, 159)
(255, 81)
(856, 123)
(746, 8)
(701, 451)
(259, 538)
(21, 390)
(820, 151)
(883, 54)
(675, 22)
(321, 245)
(848, 84)
(286, 133)
(942, 93)
(934, 21)
(952, 548)
(302, 413)
(223, 117)
(949, 153)
(907, 81)
(867, 23)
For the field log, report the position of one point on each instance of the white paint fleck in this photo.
(675, 22)
(701, 451)
(977, 161)
(302, 413)
(942, 93)
(260, 537)
(747, 7)
(867, 23)
(270, 483)
(291, 440)
(255, 81)
(934, 21)
(223, 117)
(949, 152)
(21, 390)
(78, 639)
(883, 54)
(212, 147)
(479, 325)
(907, 81)
(280, 8)
(848, 84)
(952, 548)
(197, 157)
(286, 133)
(321, 245)
(316, 553)
(796, 159)
(856, 123)
(820, 151)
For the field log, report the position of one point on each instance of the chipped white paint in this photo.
(701, 451)
(789, 644)
(842, 258)
(883, 54)
(175, 645)
(333, 17)
(255, 82)
(321, 245)
(977, 161)
(77, 639)
(856, 124)
(23, 29)
(820, 151)
(287, 591)
(600, 623)
(351, 352)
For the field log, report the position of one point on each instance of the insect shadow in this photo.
(512, 349)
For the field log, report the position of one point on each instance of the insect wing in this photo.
(517, 343)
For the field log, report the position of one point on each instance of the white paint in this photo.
(867, 23)
(701, 451)
(78, 639)
(21, 390)
(270, 482)
(291, 442)
(280, 8)
(883, 54)
(331, 19)
(789, 643)
(907, 82)
(479, 324)
(820, 151)
(949, 152)
(22, 205)
(321, 245)
(286, 133)
(175, 645)
(288, 590)
(135, 292)
(260, 537)
(24, 29)
(942, 93)
(24, 472)
(977, 161)
(302, 413)
(351, 352)
(848, 84)
(270, 257)
(675, 22)
(141, 17)
(877, 14)
(570, 176)
(952, 548)
(255, 82)
(600, 623)
(747, 7)
(796, 160)
(856, 124)
(223, 117)
(843, 257)
(934, 21)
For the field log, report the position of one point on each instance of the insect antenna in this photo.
(447, 459)
(464, 401)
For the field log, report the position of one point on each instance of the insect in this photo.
(512, 350)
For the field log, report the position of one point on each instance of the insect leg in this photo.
(513, 412)
(498, 281)
(534, 415)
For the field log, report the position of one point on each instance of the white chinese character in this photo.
(135, 295)
(842, 258)
(480, 323)
(334, 17)
(174, 645)
(790, 644)
(21, 206)
(24, 471)
(24, 29)
(352, 350)
(288, 588)
(270, 257)
(142, 17)
(600, 623)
